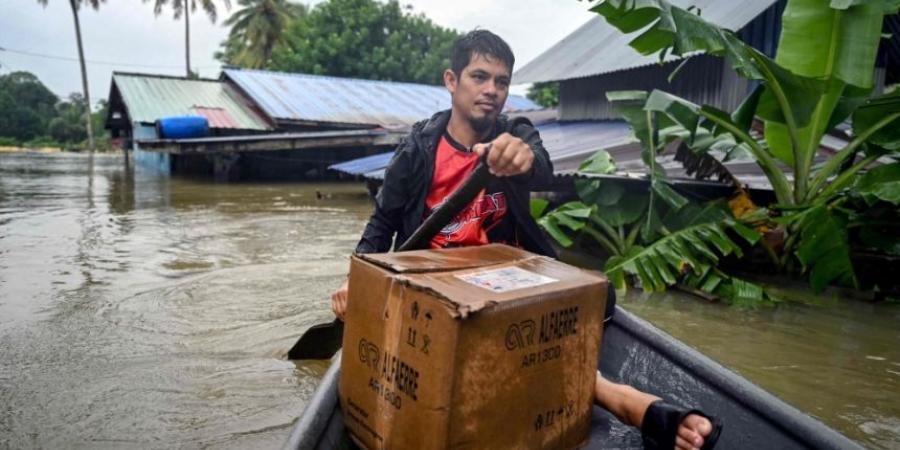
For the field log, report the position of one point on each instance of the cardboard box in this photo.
(481, 347)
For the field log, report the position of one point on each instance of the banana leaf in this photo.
(678, 110)
(628, 211)
(693, 214)
(876, 239)
(595, 191)
(824, 249)
(834, 44)
(537, 207)
(600, 163)
(881, 183)
(875, 112)
(572, 215)
(667, 28)
(838, 41)
(661, 263)
(551, 225)
(630, 105)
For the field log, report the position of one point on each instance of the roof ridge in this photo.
(328, 77)
(161, 76)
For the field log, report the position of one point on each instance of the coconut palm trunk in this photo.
(184, 7)
(187, 36)
(84, 78)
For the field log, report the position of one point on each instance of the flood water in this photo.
(146, 312)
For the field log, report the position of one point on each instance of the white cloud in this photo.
(125, 32)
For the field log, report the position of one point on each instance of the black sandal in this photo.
(661, 422)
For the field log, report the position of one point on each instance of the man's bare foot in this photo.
(630, 406)
(692, 431)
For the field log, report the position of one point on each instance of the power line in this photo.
(102, 63)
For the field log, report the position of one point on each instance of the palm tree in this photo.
(258, 26)
(76, 5)
(178, 6)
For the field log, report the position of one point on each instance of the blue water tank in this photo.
(182, 127)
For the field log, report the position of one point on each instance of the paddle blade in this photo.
(319, 342)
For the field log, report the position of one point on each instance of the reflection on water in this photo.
(138, 311)
(840, 363)
(146, 312)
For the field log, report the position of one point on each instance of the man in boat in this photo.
(438, 155)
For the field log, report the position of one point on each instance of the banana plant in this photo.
(682, 245)
(822, 75)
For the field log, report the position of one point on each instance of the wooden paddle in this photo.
(323, 341)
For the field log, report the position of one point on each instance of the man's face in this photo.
(480, 91)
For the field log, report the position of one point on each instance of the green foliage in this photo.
(822, 75)
(673, 242)
(33, 116)
(8, 142)
(545, 94)
(738, 291)
(572, 215)
(42, 141)
(256, 29)
(186, 8)
(689, 250)
(823, 248)
(26, 106)
(874, 111)
(67, 126)
(365, 39)
(537, 207)
(881, 183)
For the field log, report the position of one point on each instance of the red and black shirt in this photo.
(484, 220)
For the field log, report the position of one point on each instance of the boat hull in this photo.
(637, 353)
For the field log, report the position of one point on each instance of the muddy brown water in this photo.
(146, 312)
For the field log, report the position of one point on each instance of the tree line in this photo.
(31, 115)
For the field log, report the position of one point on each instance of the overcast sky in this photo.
(125, 36)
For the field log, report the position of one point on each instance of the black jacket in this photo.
(400, 204)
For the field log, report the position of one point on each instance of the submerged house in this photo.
(137, 101)
(266, 124)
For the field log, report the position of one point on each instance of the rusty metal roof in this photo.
(322, 100)
(151, 97)
(596, 47)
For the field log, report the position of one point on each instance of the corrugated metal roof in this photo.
(217, 117)
(570, 143)
(151, 97)
(516, 103)
(364, 165)
(567, 143)
(597, 47)
(375, 175)
(346, 101)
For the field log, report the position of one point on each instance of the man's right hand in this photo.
(339, 300)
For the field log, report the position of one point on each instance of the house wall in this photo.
(703, 80)
(153, 161)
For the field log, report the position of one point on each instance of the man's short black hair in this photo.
(481, 42)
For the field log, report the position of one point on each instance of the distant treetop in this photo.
(353, 38)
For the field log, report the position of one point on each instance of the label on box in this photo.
(505, 279)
